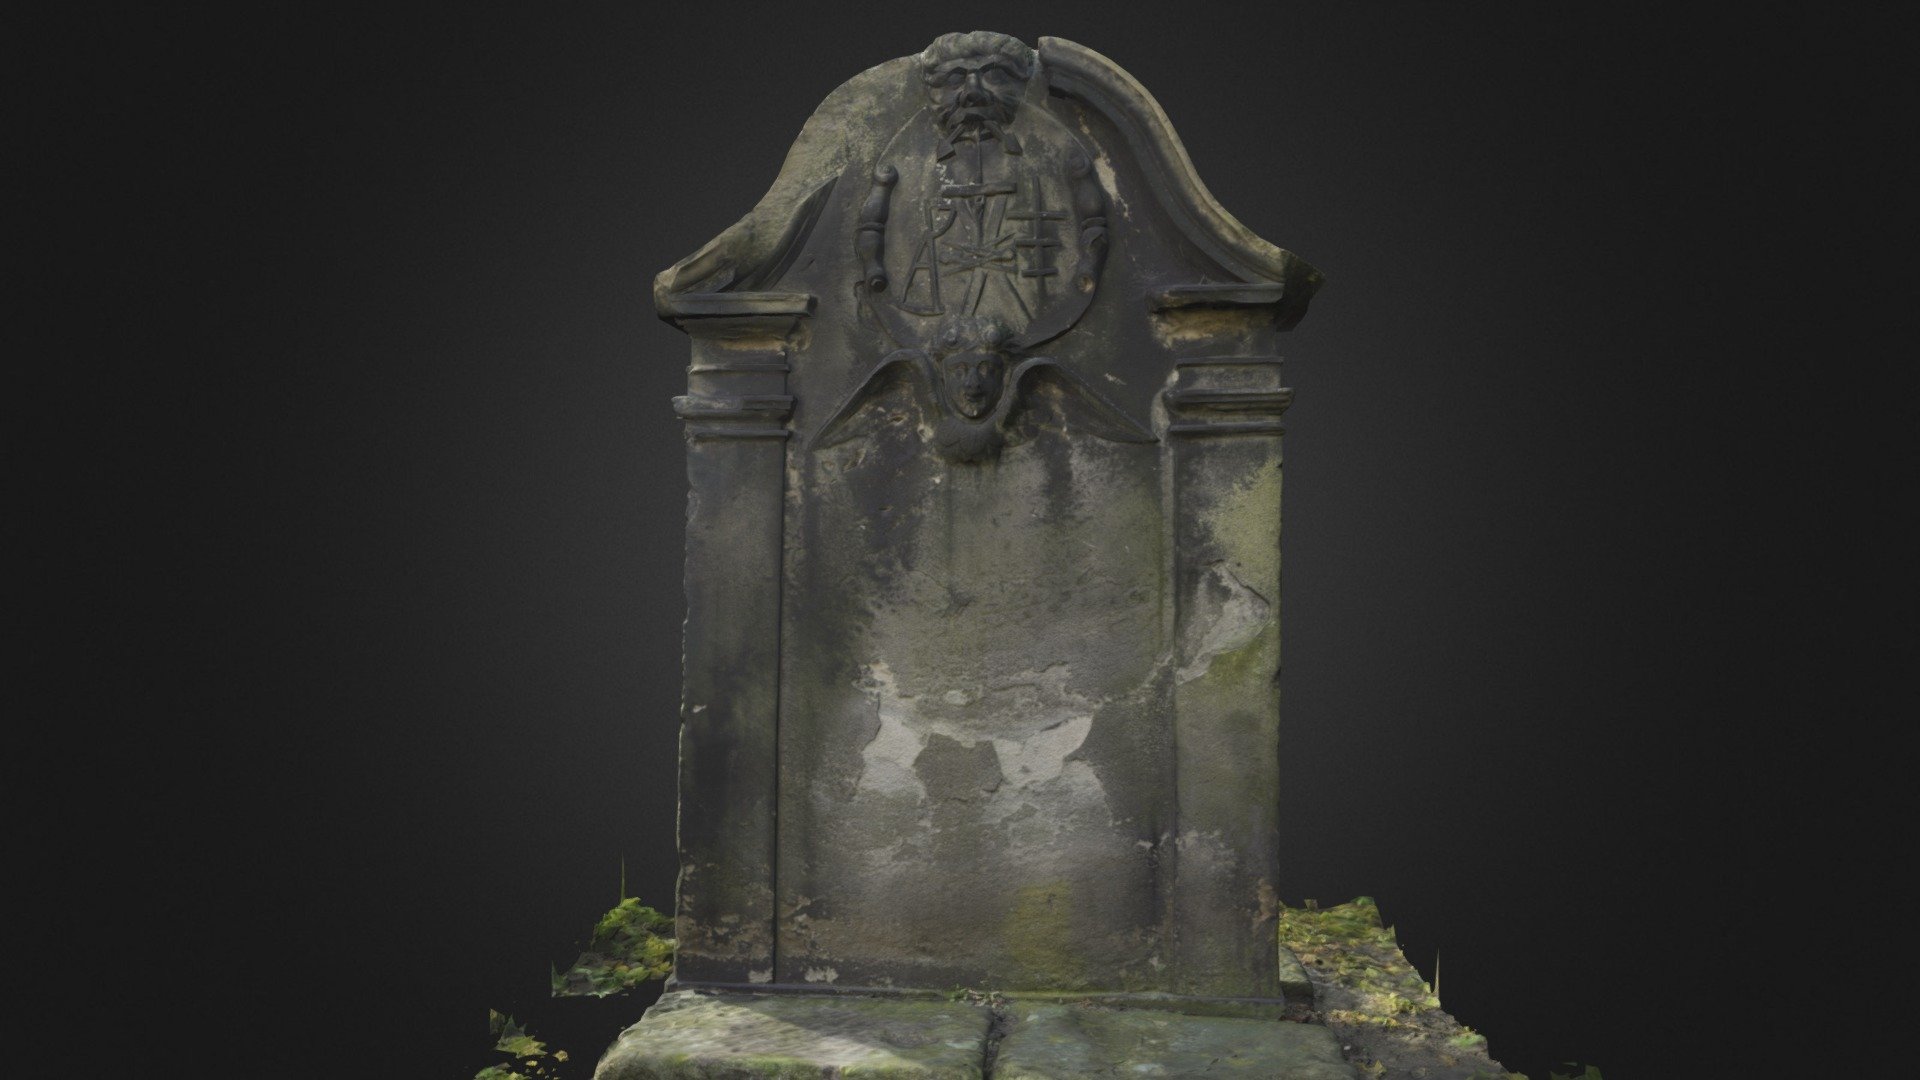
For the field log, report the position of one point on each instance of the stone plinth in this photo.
(695, 1036)
(691, 1035)
(1068, 1042)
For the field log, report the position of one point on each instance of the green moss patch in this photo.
(632, 944)
(1387, 1019)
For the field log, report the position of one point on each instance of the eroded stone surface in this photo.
(697, 1036)
(983, 567)
(1072, 1042)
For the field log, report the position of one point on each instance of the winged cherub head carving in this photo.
(968, 388)
(973, 364)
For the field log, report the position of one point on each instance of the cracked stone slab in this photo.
(697, 1035)
(1071, 1042)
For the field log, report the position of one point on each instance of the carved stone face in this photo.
(974, 381)
(973, 363)
(978, 87)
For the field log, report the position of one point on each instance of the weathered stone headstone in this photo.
(982, 582)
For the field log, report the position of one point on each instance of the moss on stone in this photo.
(1039, 933)
(1387, 1018)
(632, 944)
(738, 1036)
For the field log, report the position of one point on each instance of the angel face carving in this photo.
(981, 237)
(969, 397)
(973, 364)
(973, 382)
(975, 80)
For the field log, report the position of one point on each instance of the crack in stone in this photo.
(999, 1026)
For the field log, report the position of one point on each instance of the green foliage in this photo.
(510, 1038)
(1468, 1039)
(632, 944)
(1348, 943)
(636, 932)
(527, 1052)
(1383, 1012)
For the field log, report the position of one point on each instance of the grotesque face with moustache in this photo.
(976, 81)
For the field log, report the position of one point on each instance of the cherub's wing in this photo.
(1086, 408)
(909, 366)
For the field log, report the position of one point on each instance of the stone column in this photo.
(1223, 430)
(736, 410)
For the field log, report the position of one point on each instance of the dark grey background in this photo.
(346, 432)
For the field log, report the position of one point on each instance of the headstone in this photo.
(983, 560)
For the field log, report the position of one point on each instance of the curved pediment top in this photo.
(1079, 72)
(852, 128)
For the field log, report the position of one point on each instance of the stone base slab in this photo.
(701, 1035)
(691, 1035)
(1068, 1042)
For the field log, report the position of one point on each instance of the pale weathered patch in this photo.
(1231, 616)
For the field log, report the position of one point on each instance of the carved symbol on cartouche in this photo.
(986, 218)
(970, 388)
(1002, 234)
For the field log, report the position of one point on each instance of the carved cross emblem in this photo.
(972, 235)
